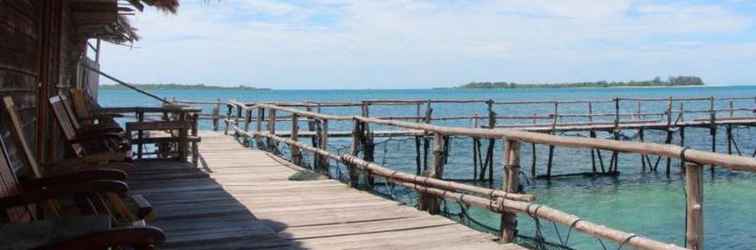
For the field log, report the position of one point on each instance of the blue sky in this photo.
(299, 44)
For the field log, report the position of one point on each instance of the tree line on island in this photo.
(656, 82)
(174, 86)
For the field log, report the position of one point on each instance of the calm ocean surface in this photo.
(646, 203)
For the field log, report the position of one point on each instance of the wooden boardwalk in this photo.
(242, 199)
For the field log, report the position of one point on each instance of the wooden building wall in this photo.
(38, 61)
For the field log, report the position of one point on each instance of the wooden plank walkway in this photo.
(242, 199)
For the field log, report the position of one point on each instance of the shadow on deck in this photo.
(242, 199)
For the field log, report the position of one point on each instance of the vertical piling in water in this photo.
(511, 184)
(429, 202)
(491, 142)
(554, 122)
(712, 129)
(296, 153)
(258, 127)
(694, 206)
(669, 134)
(354, 177)
(272, 145)
(216, 114)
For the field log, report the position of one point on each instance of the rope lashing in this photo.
(626, 241)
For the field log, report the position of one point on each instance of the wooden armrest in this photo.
(104, 157)
(137, 237)
(143, 207)
(74, 177)
(105, 115)
(78, 164)
(38, 195)
(101, 129)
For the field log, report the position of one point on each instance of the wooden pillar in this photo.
(694, 205)
(258, 126)
(669, 134)
(491, 142)
(229, 115)
(140, 134)
(183, 134)
(324, 146)
(272, 130)
(216, 115)
(712, 128)
(641, 135)
(354, 177)
(512, 185)
(296, 153)
(195, 147)
(429, 202)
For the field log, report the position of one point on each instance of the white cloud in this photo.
(418, 43)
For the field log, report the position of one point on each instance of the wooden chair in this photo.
(139, 211)
(86, 110)
(93, 147)
(22, 227)
(86, 126)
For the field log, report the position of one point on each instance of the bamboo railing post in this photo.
(428, 202)
(229, 114)
(272, 130)
(712, 128)
(216, 115)
(491, 142)
(239, 113)
(354, 177)
(590, 113)
(638, 115)
(512, 185)
(296, 153)
(732, 109)
(258, 126)
(694, 194)
(669, 134)
(475, 124)
(324, 146)
(247, 119)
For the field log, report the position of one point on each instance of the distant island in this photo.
(173, 86)
(656, 82)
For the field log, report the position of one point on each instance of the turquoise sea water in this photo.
(647, 203)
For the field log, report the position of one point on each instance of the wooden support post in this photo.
(272, 144)
(694, 206)
(669, 134)
(732, 109)
(229, 115)
(491, 142)
(239, 113)
(556, 118)
(183, 134)
(729, 138)
(590, 113)
(140, 135)
(641, 135)
(511, 184)
(430, 202)
(258, 126)
(247, 119)
(533, 161)
(216, 115)
(712, 128)
(638, 115)
(354, 177)
(296, 153)
(324, 146)
(195, 147)
(550, 161)
(418, 156)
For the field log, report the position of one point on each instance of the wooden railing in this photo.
(608, 114)
(509, 200)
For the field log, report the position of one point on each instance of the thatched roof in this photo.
(107, 19)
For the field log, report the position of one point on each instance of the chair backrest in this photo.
(81, 104)
(9, 186)
(18, 133)
(59, 110)
(70, 112)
